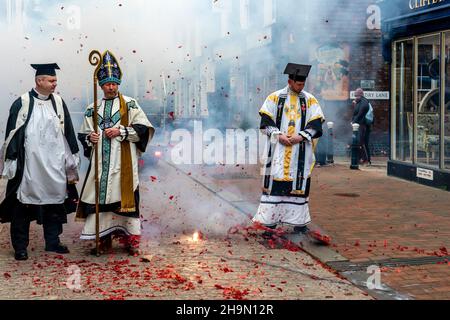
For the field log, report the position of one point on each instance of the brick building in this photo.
(249, 42)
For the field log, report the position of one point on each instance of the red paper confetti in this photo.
(232, 293)
(321, 238)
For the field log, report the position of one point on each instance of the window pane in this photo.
(447, 102)
(403, 77)
(429, 100)
(269, 12)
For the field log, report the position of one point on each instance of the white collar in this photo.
(293, 93)
(41, 96)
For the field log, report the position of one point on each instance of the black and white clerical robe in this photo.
(35, 155)
(287, 171)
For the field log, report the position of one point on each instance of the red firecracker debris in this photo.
(200, 235)
(232, 293)
(289, 245)
(233, 230)
(227, 270)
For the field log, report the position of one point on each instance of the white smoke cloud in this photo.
(142, 34)
(155, 37)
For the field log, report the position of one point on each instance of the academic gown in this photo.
(15, 150)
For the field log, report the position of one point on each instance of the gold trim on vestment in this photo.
(267, 114)
(126, 173)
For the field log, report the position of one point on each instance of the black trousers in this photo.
(366, 142)
(20, 228)
(364, 139)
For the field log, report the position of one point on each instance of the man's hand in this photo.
(284, 140)
(112, 133)
(94, 137)
(296, 139)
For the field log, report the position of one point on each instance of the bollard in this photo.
(355, 147)
(330, 148)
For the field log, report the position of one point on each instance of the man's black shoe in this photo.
(301, 230)
(21, 256)
(268, 235)
(60, 248)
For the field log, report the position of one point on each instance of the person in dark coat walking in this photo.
(362, 107)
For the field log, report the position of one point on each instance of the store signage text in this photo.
(425, 174)
(417, 4)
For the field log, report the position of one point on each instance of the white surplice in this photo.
(44, 180)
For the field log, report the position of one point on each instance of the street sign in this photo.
(373, 95)
(368, 84)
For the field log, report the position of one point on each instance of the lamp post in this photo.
(330, 148)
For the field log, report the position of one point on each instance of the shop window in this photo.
(429, 100)
(447, 103)
(404, 100)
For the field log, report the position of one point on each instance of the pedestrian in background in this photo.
(363, 115)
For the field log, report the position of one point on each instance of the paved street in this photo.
(372, 219)
(221, 265)
(402, 227)
(228, 82)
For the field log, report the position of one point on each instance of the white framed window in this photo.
(245, 14)
(222, 6)
(270, 13)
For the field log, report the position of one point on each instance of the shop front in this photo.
(416, 36)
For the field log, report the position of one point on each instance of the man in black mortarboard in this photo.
(292, 119)
(40, 160)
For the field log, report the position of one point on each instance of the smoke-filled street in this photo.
(225, 150)
(219, 264)
(199, 243)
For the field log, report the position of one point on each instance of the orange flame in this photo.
(196, 236)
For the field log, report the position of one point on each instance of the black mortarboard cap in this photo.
(45, 69)
(297, 72)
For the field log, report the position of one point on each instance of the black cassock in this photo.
(16, 151)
